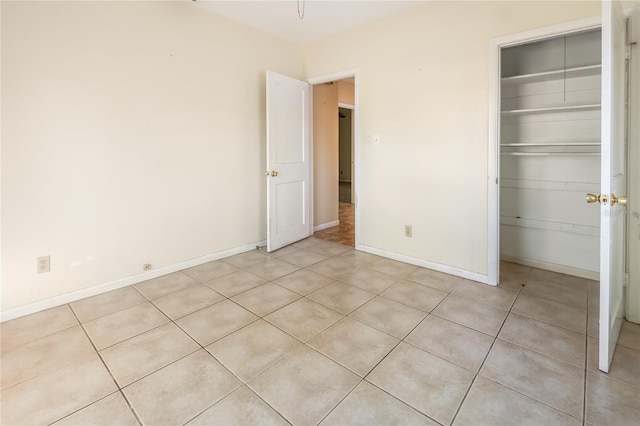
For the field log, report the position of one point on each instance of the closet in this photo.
(550, 153)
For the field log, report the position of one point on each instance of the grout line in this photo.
(119, 389)
(532, 398)
(233, 391)
(514, 390)
(586, 358)
(306, 344)
(267, 403)
(403, 402)
(477, 372)
(464, 398)
(133, 411)
(362, 378)
(341, 399)
(586, 332)
(584, 387)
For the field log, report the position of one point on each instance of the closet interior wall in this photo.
(550, 153)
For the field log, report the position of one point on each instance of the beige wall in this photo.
(122, 122)
(326, 148)
(423, 87)
(346, 92)
(325, 153)
(124, 126)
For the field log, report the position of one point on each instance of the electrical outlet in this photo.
(43, 264)
(408, 231)
(146, 266)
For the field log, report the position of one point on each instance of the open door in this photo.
(613, 180)
(288, 161)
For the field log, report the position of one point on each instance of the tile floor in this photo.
(319, 333)
(345, 232)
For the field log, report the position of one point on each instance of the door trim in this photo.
(326, 78)
(493, 178)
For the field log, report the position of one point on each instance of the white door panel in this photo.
(288, 161)
(289, 194)
(613, 180)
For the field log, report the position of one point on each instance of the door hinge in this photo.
(626, 279)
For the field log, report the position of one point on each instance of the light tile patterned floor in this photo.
(319, 333)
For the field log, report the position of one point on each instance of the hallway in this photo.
(345, 232)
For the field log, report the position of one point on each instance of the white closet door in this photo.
(613, 180)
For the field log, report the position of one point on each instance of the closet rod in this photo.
(578, 154)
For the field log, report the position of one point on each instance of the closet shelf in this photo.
(553, 75)
(574, 108)
(548, 154)
(551, 144)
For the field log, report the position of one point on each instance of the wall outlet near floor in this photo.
(408, 231)
(146, 266)
(43, 264)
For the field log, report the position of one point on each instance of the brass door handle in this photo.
(622, 200)
(273, 173)
(592, 198)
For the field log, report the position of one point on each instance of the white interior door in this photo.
(288, 161)
(613, 180)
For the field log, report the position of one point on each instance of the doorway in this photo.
(334, 141)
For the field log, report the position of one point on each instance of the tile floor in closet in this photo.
(320, 333)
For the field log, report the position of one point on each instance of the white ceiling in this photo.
(321, 17)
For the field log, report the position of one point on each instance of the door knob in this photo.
(622, 200)
(274, 173)
(592, 198)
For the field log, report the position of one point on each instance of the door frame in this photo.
(326, 78)
(493, 178)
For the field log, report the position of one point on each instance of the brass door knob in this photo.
(274, 173)
(622, 200)
(592, 198)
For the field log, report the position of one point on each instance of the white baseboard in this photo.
(63, 299)
(568, 270)
(326, 225)
(474, 276)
